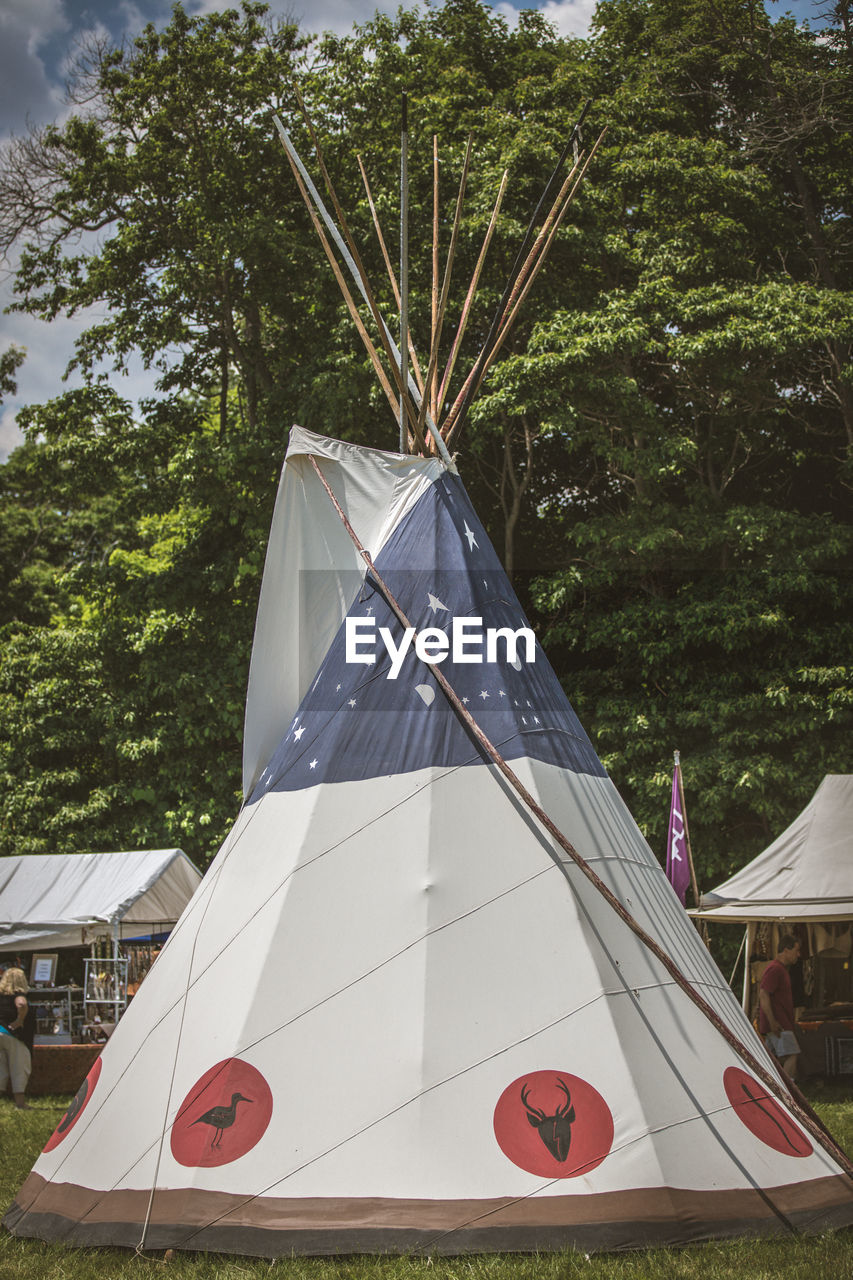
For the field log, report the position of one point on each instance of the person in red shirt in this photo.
(776, 1005)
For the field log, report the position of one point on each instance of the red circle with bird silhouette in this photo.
(223, 1116)
(762, 1115)
(553, 1124)
(79, 1104)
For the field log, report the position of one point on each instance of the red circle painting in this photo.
(762, 1115)
(78, 1106)
(223, 1116)
(553, 1124)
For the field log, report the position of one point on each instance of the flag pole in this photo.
(693, 881)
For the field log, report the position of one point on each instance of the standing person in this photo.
(776, 1005)
(16, 1035)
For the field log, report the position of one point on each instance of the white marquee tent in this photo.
(806, 874)
(804, 877)
(396, 1015)
(50, 901)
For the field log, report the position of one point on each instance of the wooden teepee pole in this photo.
(393, 356)
(388, 343)
(342, 285)
(416, 367)
(469, 298)
(464, 400)
(523, 284)
(428, 392)
(438, 319)
(404, 280)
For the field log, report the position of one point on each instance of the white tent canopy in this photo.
(805, 874)
(63, 900)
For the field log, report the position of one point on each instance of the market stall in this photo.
(85, 928)
(802, 884)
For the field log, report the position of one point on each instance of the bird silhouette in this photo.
(221, 1118)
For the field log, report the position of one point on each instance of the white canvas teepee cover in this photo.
(394, 1016)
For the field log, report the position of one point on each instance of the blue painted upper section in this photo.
(356, 723)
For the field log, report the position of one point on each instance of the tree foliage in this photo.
(663, 455)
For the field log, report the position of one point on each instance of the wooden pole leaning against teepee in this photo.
(775, 1086)
(434, 289)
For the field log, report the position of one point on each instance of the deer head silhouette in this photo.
(555, 1130)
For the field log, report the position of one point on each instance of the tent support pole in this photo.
(773, 1085)
(737, 958)
(747, 961)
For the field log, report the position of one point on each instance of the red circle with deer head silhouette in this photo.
(223, 1116)
(762, 1115)
(553, 1124)
(79, 1103)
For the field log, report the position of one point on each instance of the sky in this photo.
(38, 39)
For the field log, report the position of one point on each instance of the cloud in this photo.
(317, 16)
(569, 17)
(10, 436)
(49, 347)
(26, 90)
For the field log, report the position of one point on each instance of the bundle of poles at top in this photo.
(419, 400)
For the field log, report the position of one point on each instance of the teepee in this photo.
(395, 1016)
(434, 993)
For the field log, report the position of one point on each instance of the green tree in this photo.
(698, 387)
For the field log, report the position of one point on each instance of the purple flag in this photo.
(677, 866)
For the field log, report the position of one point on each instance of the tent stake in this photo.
(828, 1144)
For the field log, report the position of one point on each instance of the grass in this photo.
(23, 1134)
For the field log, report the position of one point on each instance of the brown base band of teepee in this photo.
(273, 1227)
